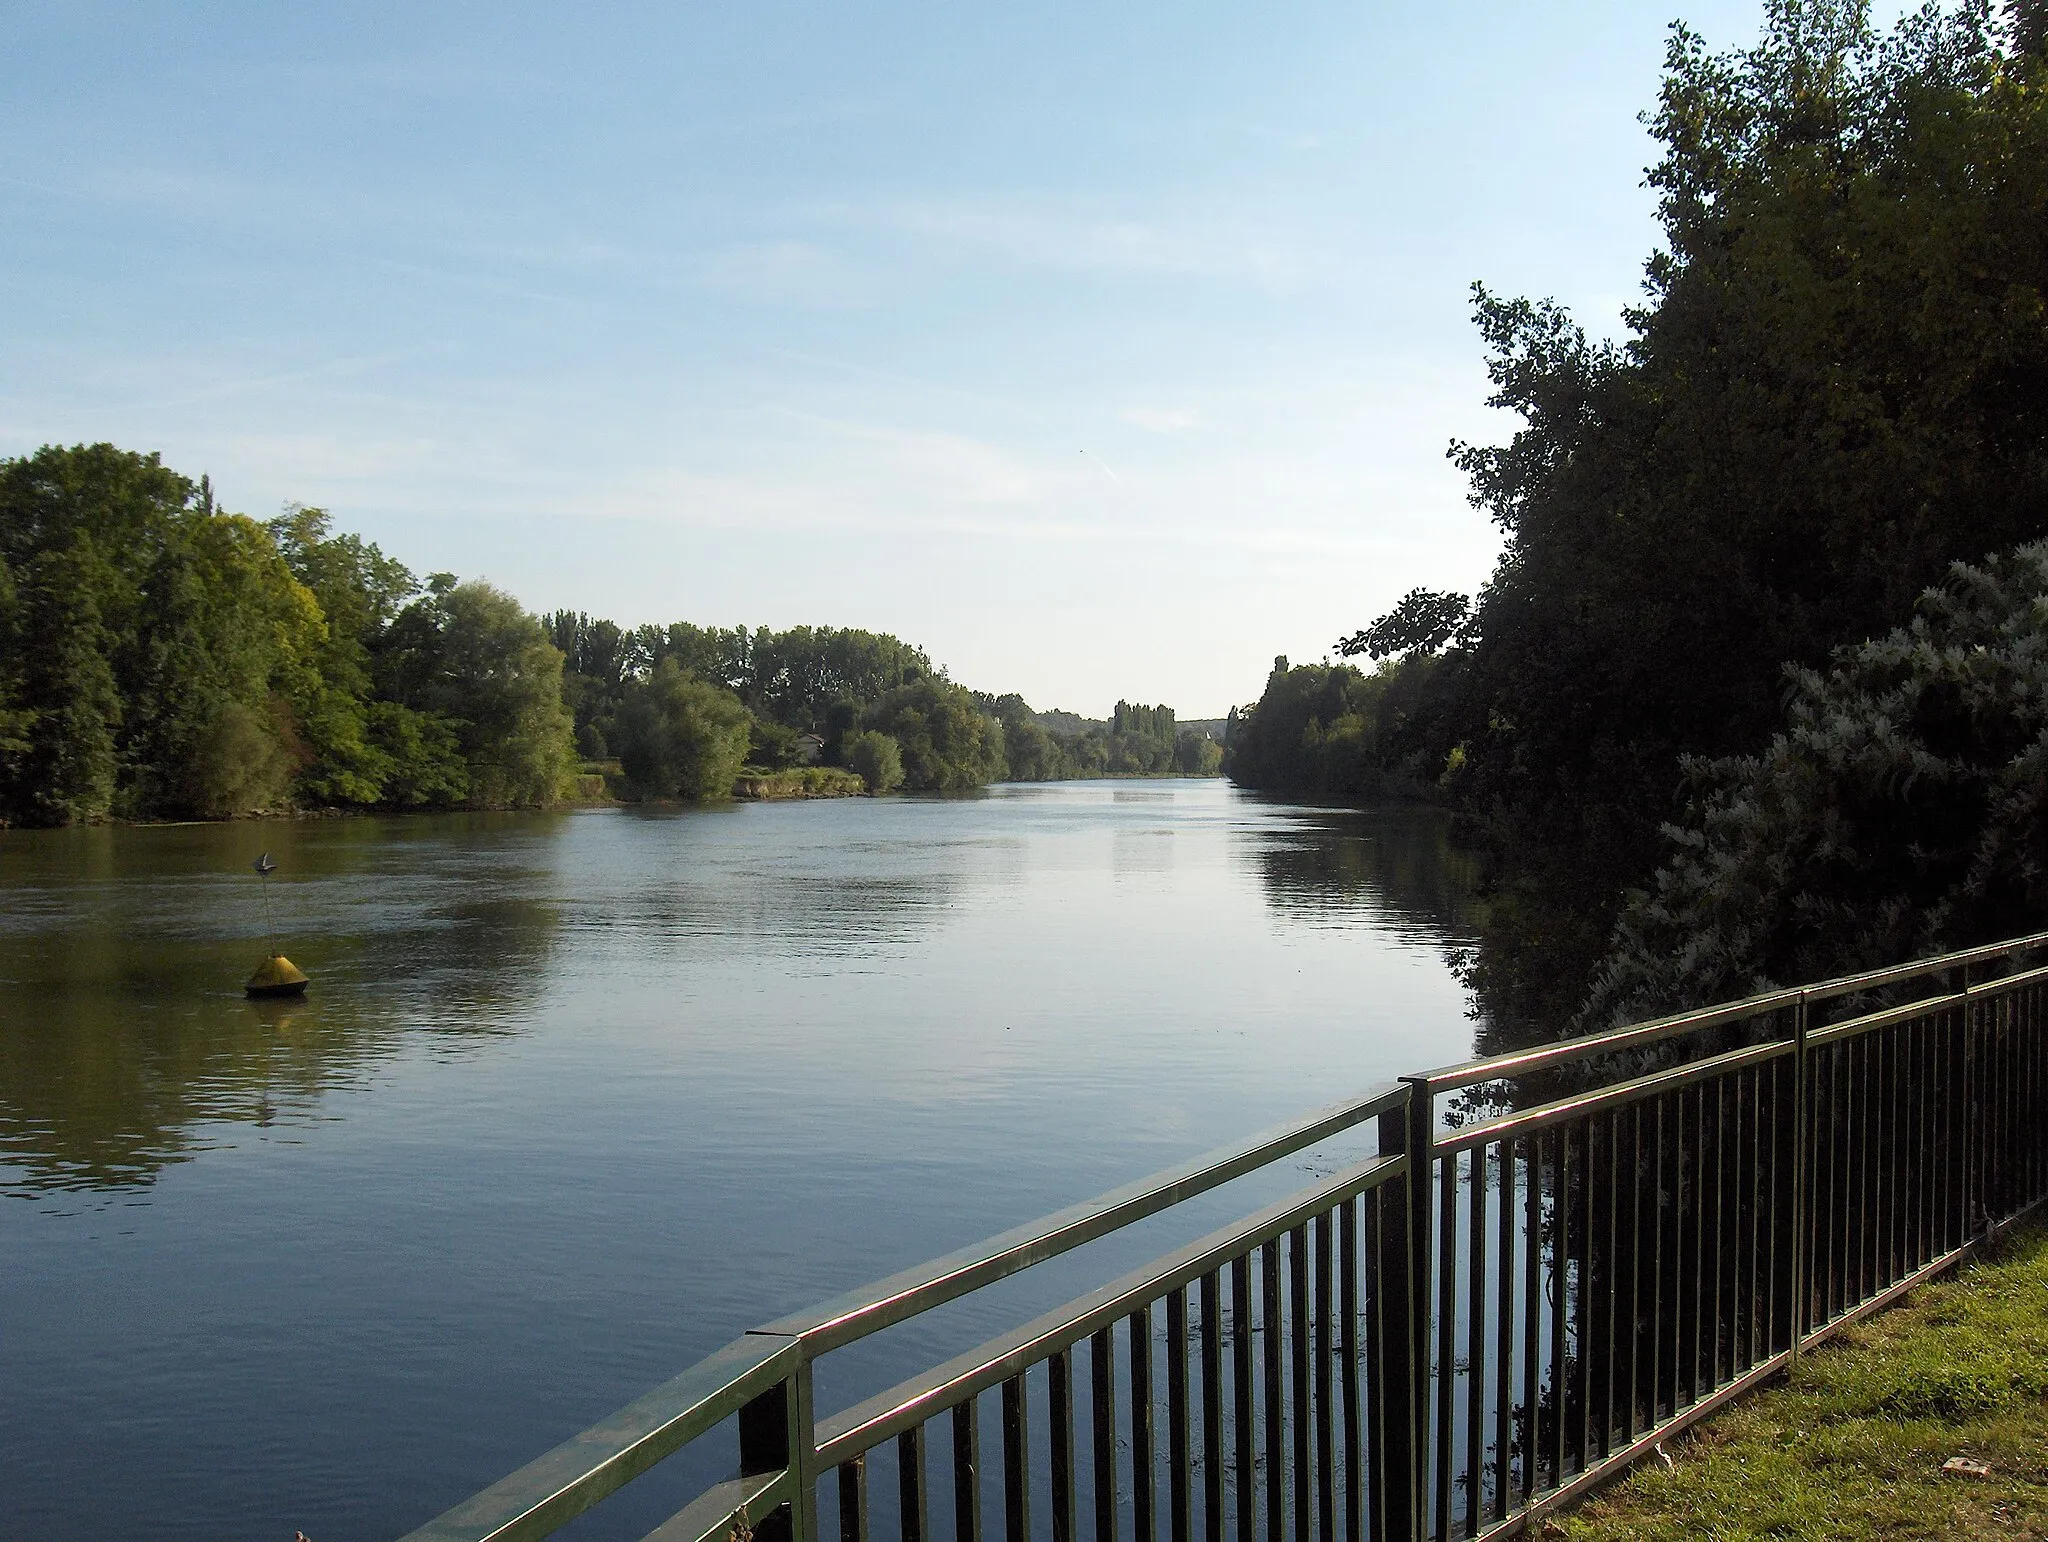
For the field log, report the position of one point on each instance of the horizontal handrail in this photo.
(1926, 1006)
(583, 1469)
(1892, 974)
(1470, 1073)
(918, 1289)
(912, 1402)
(1543, 1115)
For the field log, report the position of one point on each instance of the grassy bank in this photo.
(799, 782)
(1853, 1445)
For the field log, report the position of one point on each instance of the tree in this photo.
(948, 743)
(1901, 812)
(681, 737)
(470, 655)
(1838, 385)
(360, 592)
(877, 760)
(62, 768)
(223, 672)
(1423, 621)
(1196, 754)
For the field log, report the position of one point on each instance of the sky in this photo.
(1106, 352)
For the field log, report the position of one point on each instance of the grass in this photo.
(1852, 1445)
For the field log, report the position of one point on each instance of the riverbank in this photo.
(1861, 1441)
(799, 782)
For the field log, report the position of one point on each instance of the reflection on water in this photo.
(1396, 865)
(575, 1098)
(122, 953)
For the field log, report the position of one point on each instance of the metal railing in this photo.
(1525, 1290)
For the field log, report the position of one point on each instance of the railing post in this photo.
(1798, 1290)
(778, 1430)
(1404, 1274)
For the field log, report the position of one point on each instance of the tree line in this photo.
(162, 658)
(1745, 698)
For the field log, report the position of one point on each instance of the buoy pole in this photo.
(269, 922)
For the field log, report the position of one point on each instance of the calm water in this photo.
(577, 1098)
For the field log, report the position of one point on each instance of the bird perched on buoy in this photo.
(276, 975)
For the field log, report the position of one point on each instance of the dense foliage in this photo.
(1836, 386)
(1903, 811)
(161, 658)
(680, 736)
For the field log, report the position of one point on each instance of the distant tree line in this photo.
(161, 658)
(1685, 691)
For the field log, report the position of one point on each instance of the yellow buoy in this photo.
(277, 976)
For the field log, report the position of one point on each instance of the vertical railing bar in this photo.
(1684, 1269)
(1179, 1523)
(1325, 1395)
(1960, 1142)
(1932, 1135)
(1869, 1213)
(1059, 1401)
(1560, 1290)
(1695, 1375)
(967, 1470)
(1912, 1109)
(1352, 1343)
(1504, 1340)
(1386, 1275)
(1725, 1148)
(1139, 1324)
(1102, 1432)
(1859, 1149)
(1444, 1380)
(1737, 1323)
(1586, 1332)
(1898, 1155)
(1272, 1315)
(1475, 1348)
(915, 1519)
(1632, 1367)
(1243, 1429)
(1299, 1324)
(1760, 1278)
(1016, 1462)
(1532, 1319)
(1713, 1191)
(1212, 1407)
(1706, 1344)
(853, 1499)
(1827, 1199)
(1736, 1319)
(1415, 1134)
(1851, 1113)
(1658, 1211)
(1610, 1294)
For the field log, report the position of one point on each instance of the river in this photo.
(575, 1098)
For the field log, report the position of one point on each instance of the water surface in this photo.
(576, 1098)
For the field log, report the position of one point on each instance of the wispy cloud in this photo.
(1088, 235)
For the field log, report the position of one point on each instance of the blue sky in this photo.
(1105, 351)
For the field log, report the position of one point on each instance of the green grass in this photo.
(1852, 1445)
